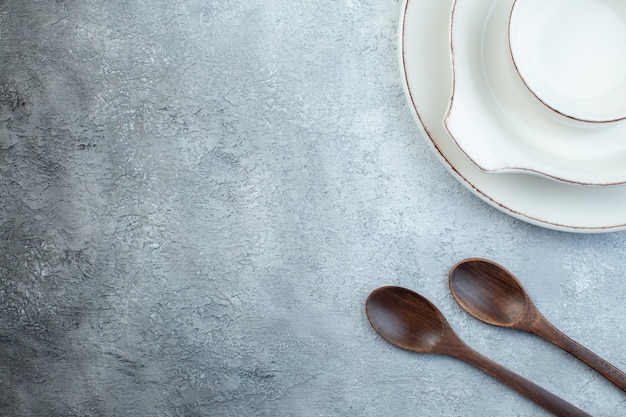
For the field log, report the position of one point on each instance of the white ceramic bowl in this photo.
(571, 54)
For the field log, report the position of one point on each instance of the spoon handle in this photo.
(547, 330)
(530, 390)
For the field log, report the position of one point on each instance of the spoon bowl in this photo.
(393, 313)
(490, 293)
(411, 322)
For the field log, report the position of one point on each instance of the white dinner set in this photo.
(524, 101)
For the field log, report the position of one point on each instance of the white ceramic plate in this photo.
(501, 127)
(427, 72)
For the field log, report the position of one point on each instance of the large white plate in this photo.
(427, 70)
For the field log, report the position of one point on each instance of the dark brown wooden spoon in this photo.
(492, 294)
(411, 322)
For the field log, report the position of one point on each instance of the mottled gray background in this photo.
(198, 195)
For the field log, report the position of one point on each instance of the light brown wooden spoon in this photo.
(411, 322)
(490, 293)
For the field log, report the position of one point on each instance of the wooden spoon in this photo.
(492, 294)
(411, 322)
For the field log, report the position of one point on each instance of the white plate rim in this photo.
(473, 179)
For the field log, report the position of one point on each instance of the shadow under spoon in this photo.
(411, 322)
(490, 293)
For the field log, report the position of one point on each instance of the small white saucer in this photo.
(571, 54)
(495, 120)
(427, 75)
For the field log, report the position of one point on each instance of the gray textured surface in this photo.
(197, 197)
